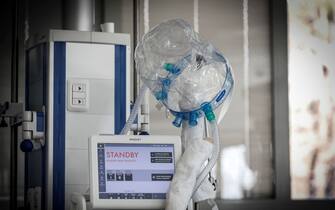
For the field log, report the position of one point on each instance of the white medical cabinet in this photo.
(78, 84)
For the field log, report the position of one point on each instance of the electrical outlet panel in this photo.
(78, 95)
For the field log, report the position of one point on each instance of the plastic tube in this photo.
(214, 129)
(134, 111)
(213, 159)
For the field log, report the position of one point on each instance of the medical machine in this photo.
(132, 172)
(77, 85)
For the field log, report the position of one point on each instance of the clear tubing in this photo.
(213, 159)
(213, 126)
(134, 111)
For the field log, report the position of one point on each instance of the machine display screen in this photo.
(135, 171)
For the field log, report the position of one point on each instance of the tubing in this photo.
(134, 111)
(215, 156)
(214, 129)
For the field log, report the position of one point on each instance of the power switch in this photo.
(78, 101)
(78, 95)
(79, 88)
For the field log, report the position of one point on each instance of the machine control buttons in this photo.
(78, 95)
(78, 101)
(132, 195)
(79, 88)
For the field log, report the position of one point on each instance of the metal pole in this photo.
(78, 15)
(136, 37)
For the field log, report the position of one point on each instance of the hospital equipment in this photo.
(132, 172)
(77, 85)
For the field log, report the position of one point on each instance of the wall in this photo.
(311, 77)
